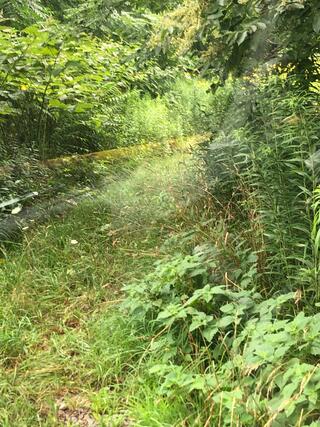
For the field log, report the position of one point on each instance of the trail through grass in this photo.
(68, 356)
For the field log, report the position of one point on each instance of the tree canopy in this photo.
(228, 36)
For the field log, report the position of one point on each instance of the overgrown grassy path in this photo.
(65, 349)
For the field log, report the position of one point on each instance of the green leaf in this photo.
(242, 37)
(228, 308)
(198, 383)
(225, 321)
(82, 107)
(55, 103)
(210, 331)
(200, 319)
(316, 23)
(32, 30)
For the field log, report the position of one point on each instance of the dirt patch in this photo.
(77, 416)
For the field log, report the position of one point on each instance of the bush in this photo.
(190, 100)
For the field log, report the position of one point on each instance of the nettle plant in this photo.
(180, 293)
(250, 361)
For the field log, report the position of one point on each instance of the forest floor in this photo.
(67, 355)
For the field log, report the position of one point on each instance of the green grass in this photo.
(64, 345)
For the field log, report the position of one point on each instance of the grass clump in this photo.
(180, 111)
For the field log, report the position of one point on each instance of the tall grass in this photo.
(265, 163)
(181, 111)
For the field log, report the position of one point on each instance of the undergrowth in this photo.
(191, 339)
(185, 292)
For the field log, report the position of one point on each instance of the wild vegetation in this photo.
(185, 291)
(67, 88)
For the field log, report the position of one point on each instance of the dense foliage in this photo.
(229, 36)
(59, 86)
(70, 84)
(236, 316)
(224, 328)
